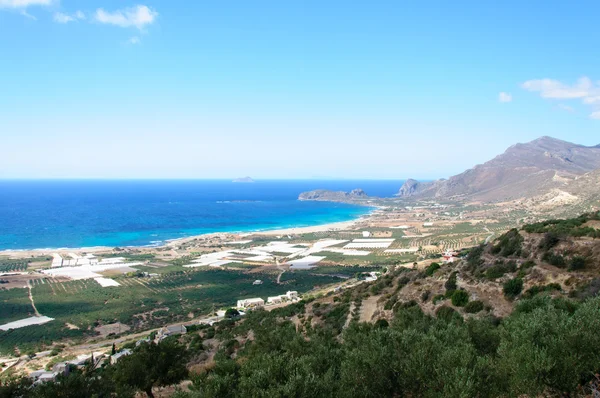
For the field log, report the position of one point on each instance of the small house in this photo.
(123, 353)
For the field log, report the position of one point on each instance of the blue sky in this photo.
(282, 89)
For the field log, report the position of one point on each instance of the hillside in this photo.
(518, 316)
(522, 171)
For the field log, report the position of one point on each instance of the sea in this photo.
(43, 214)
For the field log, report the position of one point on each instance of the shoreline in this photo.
(332, 226)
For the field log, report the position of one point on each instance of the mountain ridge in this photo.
(524, 170)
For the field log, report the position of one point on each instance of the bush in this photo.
(432, 268)
(550, 240)
(500, 268)
(554, 259)
(577, 263)
(446, 313)
(509, 244)
(425, 295)
(381, 324)
(460, 298)
(232, 313)
(450, 284)
(540, 289)
(474, 307)
(513, 288)
(438, 297)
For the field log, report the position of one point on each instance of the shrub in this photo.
(432, 268)
(577, 263)
(425, 295)
(554, 259)
(460, 298)
(533, 291)
(512, 288)
(474, 257)
(232, 313)
(527, 264)
(446, 313)
(474, 307)
(509, 244)
(549, 240)
(438, 297)
(500, 268)
(381, 324)
(450, 284)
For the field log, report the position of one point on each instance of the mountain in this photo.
(522, 171)
(244, 179)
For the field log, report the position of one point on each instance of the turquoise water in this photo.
(56, 214)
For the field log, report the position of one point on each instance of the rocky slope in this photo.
(522, 171)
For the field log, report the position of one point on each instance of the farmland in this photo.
(84, 304)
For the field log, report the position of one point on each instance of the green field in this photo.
(14, 305)
(85, 304)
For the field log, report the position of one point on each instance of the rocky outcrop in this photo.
(334, 196)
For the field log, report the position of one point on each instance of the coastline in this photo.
(333, 226)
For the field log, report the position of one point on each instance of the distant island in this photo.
(244, 179)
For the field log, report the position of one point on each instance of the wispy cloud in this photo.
(504, 97)
(24, 3)
(584, 89)
(66, 18)
(28, 15)
(134, 40)
(137, 16)
(566, 108)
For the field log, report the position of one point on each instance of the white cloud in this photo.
(504, 97)
(66, 18)
(28, 15)
(24, 3)
(134, 40)
(549, 88)
(137, 16)
(584, 89)
(62, 18)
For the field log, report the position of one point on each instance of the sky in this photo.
(289, 89)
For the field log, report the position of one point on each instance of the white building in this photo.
(115, 358)
(366, 234)
(289, 296)
(275, 299)
(251, 303)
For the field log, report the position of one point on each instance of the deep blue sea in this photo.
(75, 213)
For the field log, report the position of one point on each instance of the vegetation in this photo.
(474, 307)
(509, 244)
(554, 229)
(85, 304)
(512, 288)
(460, 298)
(429, 271)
